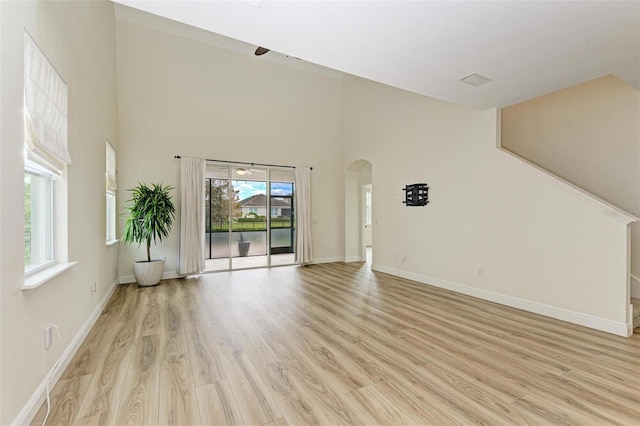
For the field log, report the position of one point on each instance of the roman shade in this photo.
(45, 114)
(112, 186)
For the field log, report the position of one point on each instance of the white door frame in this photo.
(363, 218)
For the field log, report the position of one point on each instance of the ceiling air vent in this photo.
(474, 79)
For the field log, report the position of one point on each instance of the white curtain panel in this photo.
(303, 217)
(192, 193)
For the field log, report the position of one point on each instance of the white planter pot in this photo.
(148, 273)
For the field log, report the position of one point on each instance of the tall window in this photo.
(38, 217)
(45, 140)
(111, 192)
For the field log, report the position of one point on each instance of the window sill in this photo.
(41, 277)
(112, 242)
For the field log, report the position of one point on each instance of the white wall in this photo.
(79, 40)
(539, 247)
(588, 134)
(180, 96)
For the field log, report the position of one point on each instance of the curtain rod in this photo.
(249, 164)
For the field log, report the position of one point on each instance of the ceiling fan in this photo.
(262, 50)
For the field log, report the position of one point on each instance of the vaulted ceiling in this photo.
(526, 48)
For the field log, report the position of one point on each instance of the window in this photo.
(46, 159)
(367, 206)
(38, 217)
(111, 217)
(111, 187)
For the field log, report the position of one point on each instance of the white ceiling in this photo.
(528, 48)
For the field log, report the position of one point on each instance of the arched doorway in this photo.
(359, 212)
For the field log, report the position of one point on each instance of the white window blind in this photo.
(45, 100)
(111, 168)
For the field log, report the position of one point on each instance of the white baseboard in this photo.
(30, 410)
(354, 259)
(169, 275)
(602, 324)
(328, 259)
(635, 287)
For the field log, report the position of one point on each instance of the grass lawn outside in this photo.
(258, 225)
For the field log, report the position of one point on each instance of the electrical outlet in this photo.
(48, 336)
(480, 272)
(94, 288)
(404, 258)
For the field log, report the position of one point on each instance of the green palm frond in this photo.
(150, 214)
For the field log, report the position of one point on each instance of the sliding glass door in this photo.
(250, 219)
(218, 199)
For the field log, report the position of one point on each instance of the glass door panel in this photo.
(248, 217)
(217, 218)
(281, 210)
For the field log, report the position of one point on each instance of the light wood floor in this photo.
(338, 344)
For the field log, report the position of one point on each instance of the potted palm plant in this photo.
(150, 214)
(243, 246)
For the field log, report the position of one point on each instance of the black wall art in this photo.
(417, 194)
